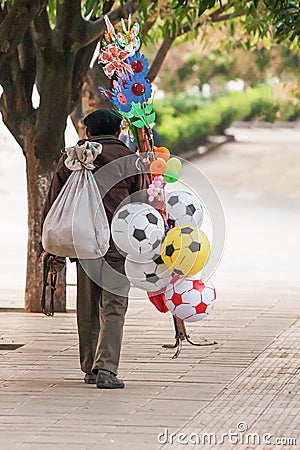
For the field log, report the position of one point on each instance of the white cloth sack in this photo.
(76, 225)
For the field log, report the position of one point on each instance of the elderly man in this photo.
(102, 287)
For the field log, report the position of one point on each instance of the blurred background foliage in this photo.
(202, 90)
(184, 122)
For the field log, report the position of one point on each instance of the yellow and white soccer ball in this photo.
(185, 250)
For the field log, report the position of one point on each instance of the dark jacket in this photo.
(123, 177)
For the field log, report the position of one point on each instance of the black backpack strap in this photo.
(53, 279)
(48, 269)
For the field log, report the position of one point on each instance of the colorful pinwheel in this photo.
(113, 59)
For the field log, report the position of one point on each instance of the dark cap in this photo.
(102, 121)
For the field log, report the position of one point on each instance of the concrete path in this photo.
(242, 393)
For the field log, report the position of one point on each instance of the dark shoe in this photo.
(108, 381)
(90, 378)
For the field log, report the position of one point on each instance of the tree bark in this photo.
(90, 98)
(16, 21)
(160, 56)
(38, 181)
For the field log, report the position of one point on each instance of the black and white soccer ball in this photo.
(137, 228)
(152, 275)
(146, 231)
(184, 208)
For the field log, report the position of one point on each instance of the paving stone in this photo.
(160, 392)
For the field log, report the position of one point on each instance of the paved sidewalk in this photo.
(250, 379)
(249, 376)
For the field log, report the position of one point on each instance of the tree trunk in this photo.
(43, 139)
(38, 182)
(90, 98)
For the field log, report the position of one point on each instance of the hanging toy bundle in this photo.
(166, 250)
(131, 90)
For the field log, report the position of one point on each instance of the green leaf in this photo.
(267, 43)
(128, 115)
(138, 123)
(151, 118)
(51, 9)
(148, 108)
(89, 6)
(137, 110)
(143, 7)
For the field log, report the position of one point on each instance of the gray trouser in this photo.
(102, 300)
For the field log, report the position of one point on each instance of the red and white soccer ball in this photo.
(190, 298)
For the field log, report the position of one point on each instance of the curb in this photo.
(263, 124)
(213, 143)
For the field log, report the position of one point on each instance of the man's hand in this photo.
(57, 263)
(44, 255)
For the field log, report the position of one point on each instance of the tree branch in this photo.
(70, 23)
(81, 67)
(15, 106)
(218, 16)
(107, 7)
(160, 56)
(13, 86)
(15, 23)
(218, 11)
(27, 58)
(186, 28)
(149, 24)
(225, 17)
(41, 30)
